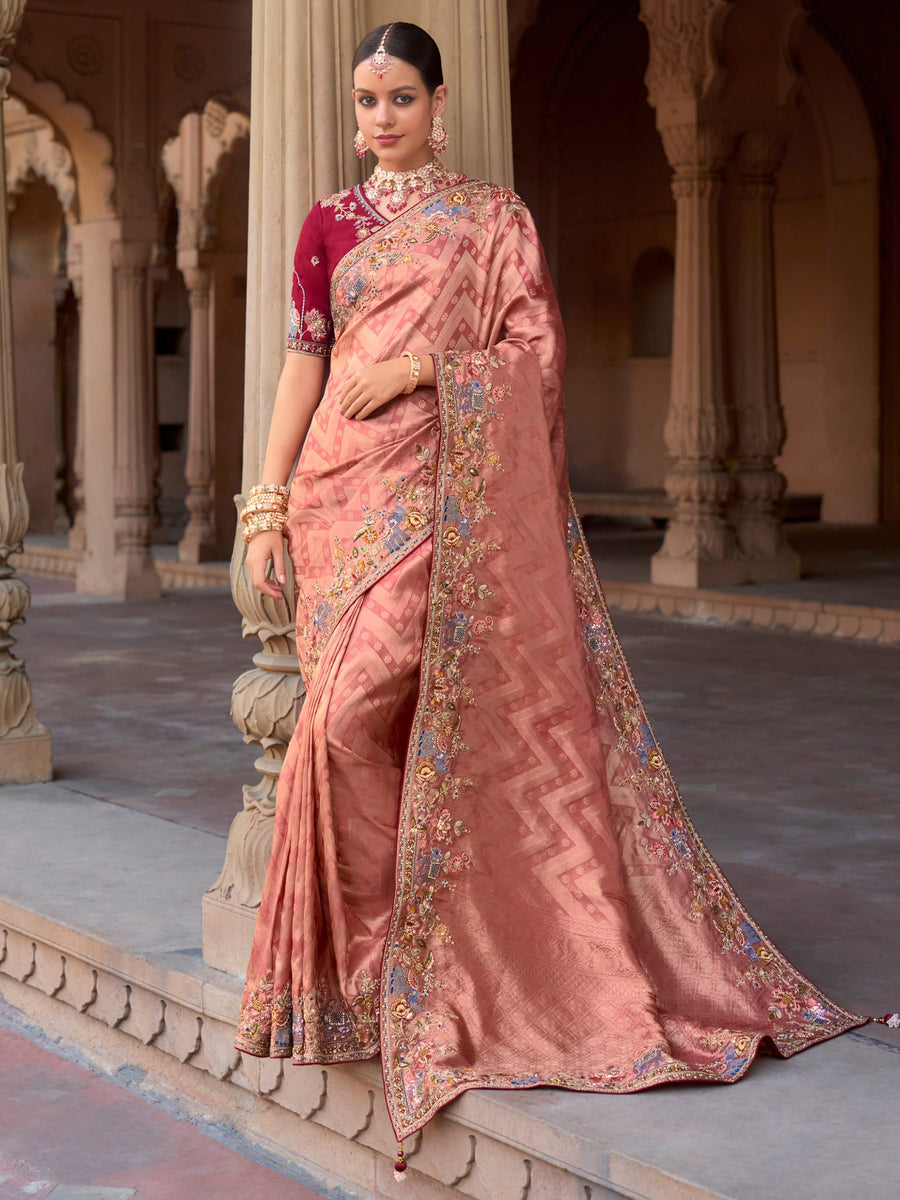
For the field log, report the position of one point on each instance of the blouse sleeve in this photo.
(311, 328)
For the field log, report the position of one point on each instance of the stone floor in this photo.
(841, 564)
(786, 751)
(66, 1134)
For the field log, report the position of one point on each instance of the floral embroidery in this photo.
(351, 205)
(386, 535)
(432, 858)
(316, 337)
(318, 1027)
(668, 836)
(475, 205)
(317, 325)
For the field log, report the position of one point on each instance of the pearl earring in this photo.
(438, 137)
(359, 144)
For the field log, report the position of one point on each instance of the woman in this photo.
(481, 867)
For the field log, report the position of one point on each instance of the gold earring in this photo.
(438, 137)
(359, 144)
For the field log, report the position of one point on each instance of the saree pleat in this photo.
(320, 932)
(482, 866)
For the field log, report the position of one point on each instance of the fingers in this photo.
(259, 560)
(351, 395)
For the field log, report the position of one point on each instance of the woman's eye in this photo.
(366, 101)
(404, 100)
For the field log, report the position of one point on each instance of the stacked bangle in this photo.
(415, 366)
(266, 509)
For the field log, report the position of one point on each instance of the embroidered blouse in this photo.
(334, 226)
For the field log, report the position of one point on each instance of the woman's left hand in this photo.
(372, 387)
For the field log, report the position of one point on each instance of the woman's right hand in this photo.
(264, 548)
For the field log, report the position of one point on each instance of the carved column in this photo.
(193, 161)
(684, 76)
(133, 440)
(25, 749)
(300, 149)
(758, 415)
(198, 542)
(699, 547)
(74, 269)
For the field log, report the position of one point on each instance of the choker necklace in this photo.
(398, 186)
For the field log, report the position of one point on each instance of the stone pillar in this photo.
(683, 77)
(300, 149)
(192, 161)
(75, 271)
(699, 548)
(134, 571)
(474, 42)
(116, 410)
(198, 542)
(25, 748)
(758, 415)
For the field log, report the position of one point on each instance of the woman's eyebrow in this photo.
(406, 87)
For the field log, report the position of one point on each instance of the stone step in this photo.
(100, 947)
(61, 562)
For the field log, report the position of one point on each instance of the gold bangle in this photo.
(262, 489)
(263, 527)
(265, 499)
(415, 366)
(265, 518)
(253, 509)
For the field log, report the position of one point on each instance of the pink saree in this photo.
(482, 868)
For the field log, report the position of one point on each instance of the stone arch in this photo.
(91, 150)
(32, 151)
(194, 161)
(848, 409)
(652, 301)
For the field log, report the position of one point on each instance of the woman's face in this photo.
(394, 114)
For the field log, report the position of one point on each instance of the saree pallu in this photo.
(548, 914)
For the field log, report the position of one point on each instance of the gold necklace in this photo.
(398, 186)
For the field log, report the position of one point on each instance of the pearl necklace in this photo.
(398, 186)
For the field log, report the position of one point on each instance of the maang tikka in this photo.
(381, 62)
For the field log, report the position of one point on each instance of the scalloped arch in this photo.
(32, 150)
(193, 162)
(73, 122)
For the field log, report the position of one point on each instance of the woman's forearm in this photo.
(296, 399)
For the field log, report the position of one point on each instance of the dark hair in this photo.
(409, 42)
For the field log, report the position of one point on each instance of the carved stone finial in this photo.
(25, 751)
(265, 707)
(11, 13)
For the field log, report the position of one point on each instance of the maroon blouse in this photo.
(333, 227)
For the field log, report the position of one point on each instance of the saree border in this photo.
(656, 1065)
(342, 606)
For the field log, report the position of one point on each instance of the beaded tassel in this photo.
(400, 1164)
(892, 1020)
